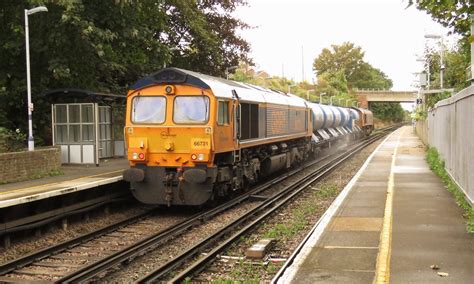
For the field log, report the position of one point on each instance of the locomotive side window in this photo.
(147, 109)
(191, 109)
(223, 113)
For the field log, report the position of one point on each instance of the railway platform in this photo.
(394, 222)
(74, 179)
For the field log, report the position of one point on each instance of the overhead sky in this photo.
(389, 33)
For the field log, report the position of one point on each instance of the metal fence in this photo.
(450, 129)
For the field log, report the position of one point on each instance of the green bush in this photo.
(437, 166)
(12, 141)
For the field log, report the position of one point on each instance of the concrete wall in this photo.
(422, 131)
(451, 130)
(19, 166)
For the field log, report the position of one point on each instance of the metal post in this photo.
(307, 94)
(347, 102)
(441, 68)
(472, 49)
(321, 97)
(330, 100)
(428, 61)
(31, 142)
(227, 69)
(96, 126)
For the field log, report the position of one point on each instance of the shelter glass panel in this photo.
(61, 113)
(61, 134)
(88, 133)
(87, 114)
(74, 114)
(74, 133)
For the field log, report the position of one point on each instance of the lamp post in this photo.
(31, 141)
(347, 102)
(338, 101)
(227, 69)
(289, 87)
(321, 97)
(427, 62)
(307, 94)
(441, 56)
(330, 99)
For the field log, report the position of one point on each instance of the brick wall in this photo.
(19, 166)
(363, 101)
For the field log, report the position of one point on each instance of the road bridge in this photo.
(380, 95)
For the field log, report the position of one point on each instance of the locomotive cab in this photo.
(169, 139)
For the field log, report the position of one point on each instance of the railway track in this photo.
(133, 237)
(252, 219)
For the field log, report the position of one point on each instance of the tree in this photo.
(455, 60)
(388, 111)
(343, 68)
(333, 83)
(107, 45)
(368, 77)
(346, 57)
(349, 59)
(454, 14)
(449, 13)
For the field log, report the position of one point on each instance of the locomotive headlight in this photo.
(194, 156)
(141, 156)
(135, 156)
(169, 90)
(200, 157)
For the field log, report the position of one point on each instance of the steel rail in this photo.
(274, 203)
(92, 270)
(129, 252)
(57, 248)
(96, 268)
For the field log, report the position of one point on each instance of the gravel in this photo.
(237, 268)
(96, 249)
(159, 256)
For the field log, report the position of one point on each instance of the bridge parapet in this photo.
(383, 95)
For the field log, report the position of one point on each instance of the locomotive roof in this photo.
(220, 87)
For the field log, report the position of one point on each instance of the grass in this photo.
(437, 166)
(46, 174)
(245, 272)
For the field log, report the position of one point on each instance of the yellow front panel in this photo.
(171, 144)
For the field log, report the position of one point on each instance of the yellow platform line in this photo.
(382, 272)
(348, 247)
(57, 183)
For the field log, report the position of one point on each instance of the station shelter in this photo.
(88, 126)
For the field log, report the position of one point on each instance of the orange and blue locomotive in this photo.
(192, 138)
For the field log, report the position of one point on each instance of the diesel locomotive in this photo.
(192, 138)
